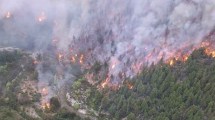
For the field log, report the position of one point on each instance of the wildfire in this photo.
(60, 57)
(171, 62)
(174, 57)
(130, 86)
(42, 17)
(113, 66)
(210, 52)
(35, 62)
(45, 105)
(55, 41)
(185, 58)
(8, 15)
(105, 83)
(205, 44)
(182, 58)
(73, 59)
(44, 91)
(81, 59)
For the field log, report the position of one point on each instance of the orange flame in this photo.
(8, 15)
(105, 83)
(210, 52)
(73, 59)
(42, 17)
(171, 62)
(60, 57)
(46, 105)
(44, 91)
(130, 86)
(81, 59)
(35, 62)
(113, 66)
(185, 58)
(174, 58)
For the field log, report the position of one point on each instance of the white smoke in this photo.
(124, 33)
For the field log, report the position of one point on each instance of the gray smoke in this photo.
(127, 34)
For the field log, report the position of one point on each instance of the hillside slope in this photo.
(164, 92)
(184, 90)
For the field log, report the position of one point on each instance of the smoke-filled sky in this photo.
(124, 33)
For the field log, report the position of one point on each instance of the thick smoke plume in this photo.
(126, 34)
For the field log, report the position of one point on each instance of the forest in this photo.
(183, 91)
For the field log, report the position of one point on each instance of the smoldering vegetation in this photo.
(126, 34)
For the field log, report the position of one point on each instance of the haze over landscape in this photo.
(107, 59)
